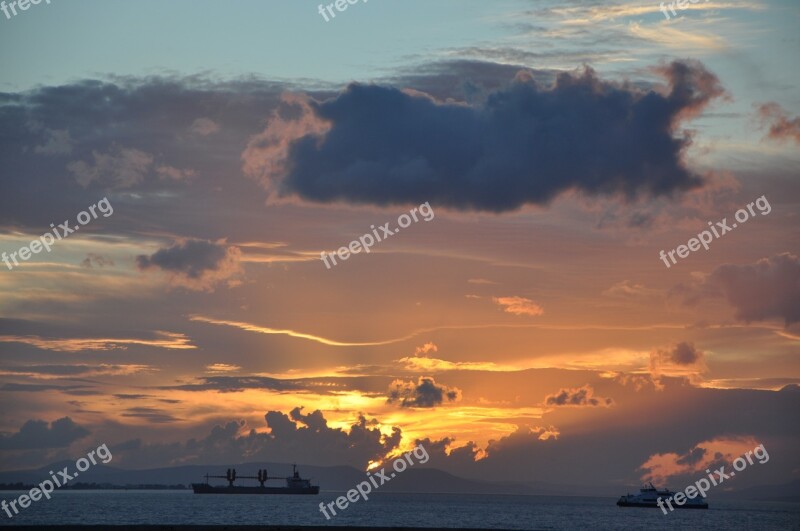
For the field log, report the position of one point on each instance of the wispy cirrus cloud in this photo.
(292, 333)
(584, 15)
(167, 340)
(52, 372)
(678, 38)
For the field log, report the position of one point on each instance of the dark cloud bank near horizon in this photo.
(298, 436)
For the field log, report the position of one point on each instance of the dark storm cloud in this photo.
(157, 146)
(685, 354)
(192, 258)
(39, 434)
(582, 396)
(525, 144)
(195, 264)
(424, 393)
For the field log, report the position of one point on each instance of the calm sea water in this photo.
(419, 510)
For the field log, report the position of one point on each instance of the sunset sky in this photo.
(526, 330)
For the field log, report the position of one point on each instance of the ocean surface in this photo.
(390, 509)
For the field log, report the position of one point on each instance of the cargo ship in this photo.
(649, 497)
(294, 484)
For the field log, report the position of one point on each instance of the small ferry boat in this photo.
(649, 496)
(294, 484)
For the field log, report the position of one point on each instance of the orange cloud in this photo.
(518, 305)
(781, 126)
(222, 368)
(683, 359)
(660, 467)
(266, 157)
(420, 362)
(425, 349)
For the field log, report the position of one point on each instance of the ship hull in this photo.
(202, 488)
(653, 504)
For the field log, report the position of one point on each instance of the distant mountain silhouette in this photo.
(336, 478)
(343, 478)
